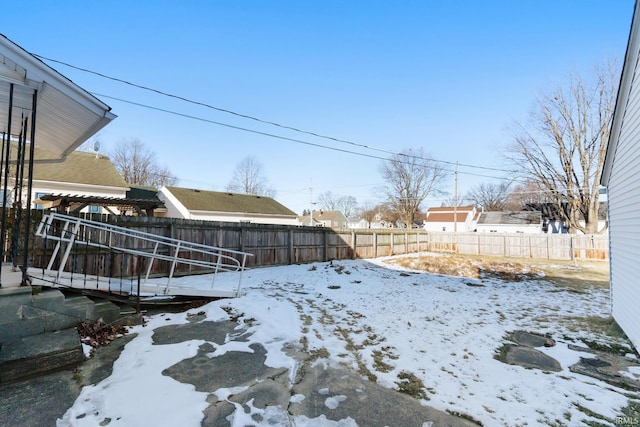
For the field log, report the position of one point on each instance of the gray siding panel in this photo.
(624, 216)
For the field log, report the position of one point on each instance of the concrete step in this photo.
(10, 301)
(107, 311)
(48, 299)
(79, 307)
(23, 314)
(21, 327)
(37, 354)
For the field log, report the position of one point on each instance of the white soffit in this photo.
(66, 115)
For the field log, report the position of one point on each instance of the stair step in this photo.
(51, 299)
(37, 354)
(107, 311)
(18, 328)
(10, 301)
(80, 307)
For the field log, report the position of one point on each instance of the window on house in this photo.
(95, 209)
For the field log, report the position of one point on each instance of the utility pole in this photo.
(455, 202)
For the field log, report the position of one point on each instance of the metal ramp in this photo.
(80, 253)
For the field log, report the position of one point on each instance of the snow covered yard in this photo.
(432, 336)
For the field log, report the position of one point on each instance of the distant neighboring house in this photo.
(450, 218)
(309, 221)
(331, 219)
(621, 174)
(376, 222)
(358, 222)
(205, 205)
(553, 222)
(79, 182)
(510, 222)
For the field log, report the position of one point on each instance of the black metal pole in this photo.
(3, 229)
(4, 200)
(138, 295)
(17, 205)
(29, 186)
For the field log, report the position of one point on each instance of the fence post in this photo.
(354, 237)
(375, 244)
(548, 251)
(241, 237)
(504, 245)
(290, 245)
(325, 244)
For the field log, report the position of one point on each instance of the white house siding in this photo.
(501, 228)
(447, 226)
(622, 178)
(243, 217)
(175, 209)
(50, 187)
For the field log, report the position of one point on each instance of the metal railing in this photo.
(70, 233)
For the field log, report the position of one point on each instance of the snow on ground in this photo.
(381, 320)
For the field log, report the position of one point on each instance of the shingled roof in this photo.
(213, 201)
(510, 218)
(78, 167)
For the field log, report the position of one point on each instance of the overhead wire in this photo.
(268, 122)
(271, 135)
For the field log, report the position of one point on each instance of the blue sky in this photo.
(448, 76)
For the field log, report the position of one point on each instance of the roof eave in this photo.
(624, 89)
(67, 115)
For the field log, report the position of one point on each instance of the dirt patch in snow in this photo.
(569, 273)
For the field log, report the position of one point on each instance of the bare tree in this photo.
(409, 179)
(564, 146)
(489, 196)
(331, 202)
(452, 201)
(328, 201)
(347, 205)
(249, 178)
(138, 165)
(526, 196)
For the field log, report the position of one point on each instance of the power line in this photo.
(271, 135)
(245, 116)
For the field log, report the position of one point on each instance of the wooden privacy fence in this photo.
(282, 244)
(539, 246)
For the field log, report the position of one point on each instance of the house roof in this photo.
(78, 167)
(450, 209)
(305, 220)
(510, 218)
(213, 201)
(329, 216)
(626, 83)
(66, 114)
(447, 217)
